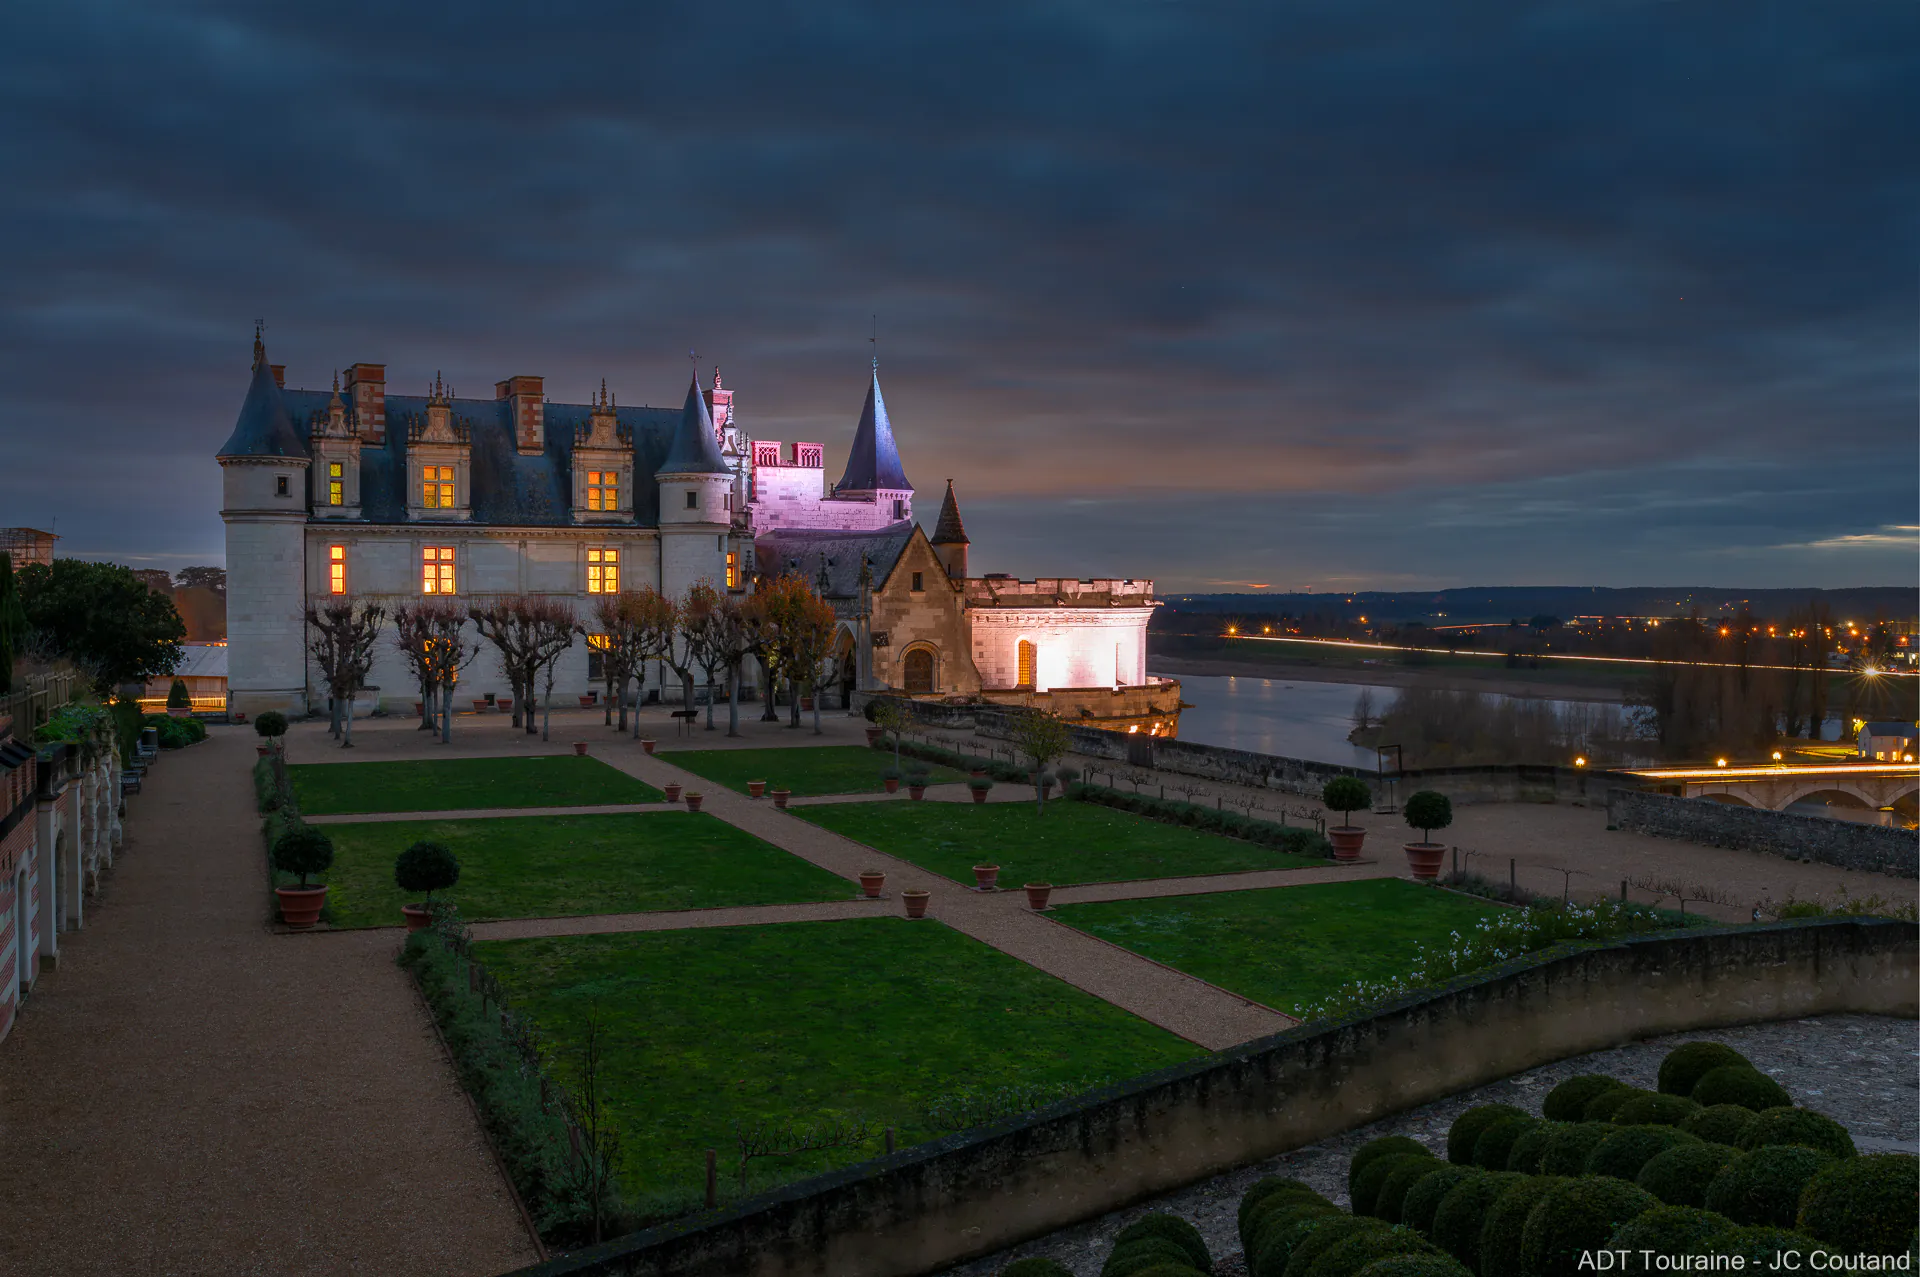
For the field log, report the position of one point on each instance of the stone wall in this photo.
(922, 1209)
(1850, 845)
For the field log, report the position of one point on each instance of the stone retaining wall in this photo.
(971, 1194)
(1845, 843)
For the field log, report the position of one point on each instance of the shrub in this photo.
(1066, 773)
(1743, 1085)
(1527, 1151)
(1035, 1267)
(1348, 1257)
(1277, 1233)
(1272, 1188)
(1654, 1110)
(1495, 1145)
(270, 723)
(302, 850)
(1863, 1203)
(1680, 1175)
(1569, 1148)
(1623, 1153)
(1503, 1234)
(980, 784)
(1169, 1228)
(1390, 1203)
(1423, 1199)
(1797, 1126)
(1763, 1187)
(1761, 1247)
(1567, 1102)
(1462, 1214)
(1143, 1253)
(1467, 1128)
(1384, 1146)
(266, 785)
(1428, 811)
(1265, 833)
(1685, 1065)
(426, 866)
(1719, 1123)
(1323, 1238)
(1435, 1265)
(1578, 1216)
(1665, 1230)
(1603, 1106)
(1346, 794)
(1368, 1183)
(177, 695)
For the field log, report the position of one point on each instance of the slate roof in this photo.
(694, 449)
(949, 530)
(265, 427)
(794, 550)
(1892, 729)
(875, 461)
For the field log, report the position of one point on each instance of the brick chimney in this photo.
(367, 391)
(529, 412)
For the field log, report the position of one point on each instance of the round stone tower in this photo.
(694, 482)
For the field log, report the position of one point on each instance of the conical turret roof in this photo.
(694, 449)
(874, 462)
(265, 427)
(949, 530)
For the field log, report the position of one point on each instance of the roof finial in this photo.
(875, 339)
(693, 357)
(259, 346)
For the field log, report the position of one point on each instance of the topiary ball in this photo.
(1272, 1188)
(1495, 1145)
(1743, 1085)
(1577, 1217)
(1797, 1126)
(1569, 1148)
(1423, 1199)
(1763, 1187)
(1435, 1265)
(1366, 1189)
(1162, 1268)
(1654, 1110)
(1131, 1258)
(1275, 1239)
(1467, 1128)
(426, 866)
(1680, 1175)
(303, 850)
(1171, 1228)
(1322, 1239)
(1350, 1256)
(1685, 1065)
(1502, 1236)
(1603, 1106)
(1035, 1267)
(1462, 1214)
(1389, 1203)
(1720, 1124)
(270, 723)
(1623, 1153)
(1278, 1218)
(1666, 1230)
(1527, 1151)
(1568, 1101)
(1762, 1248)
(1863, 1203)
(1373, 1150)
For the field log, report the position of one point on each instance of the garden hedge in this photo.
(1654, 1110)
(1863, 1203)
(1232, 824)
(1424, 1198)
(1762, 1246)
(1467, 1128)
(1568, 1149)
(1271, 1188)
(1143, 1254)
(1322, 1239)
(1035, 1267)
(1367, 1185)
(1797, 1126)
(1495, 1145)
(1527, 1151)
(1390, 1202)
(1503, 1236)
(1434, 1265)
(1763, 1187)
(1462, 1214)
(1743, 1085)
(1685, 1065)
(1578, 1216)
(1719, 1123)
(1374, 1149)
(1170, 1228)
(1603, 1106)
(1568, 1101)
(1666, 1230)
(1278, 1235)
(1349, 1257)
(1624, 1152)
(1680, 1175)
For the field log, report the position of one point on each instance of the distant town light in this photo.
(1580, 761)
(1719, 762)
(1776, 755)
(1131, 730)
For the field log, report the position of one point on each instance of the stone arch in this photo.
(920, 669)
(1847, 796)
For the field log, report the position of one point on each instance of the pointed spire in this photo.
(874, 462)
(264, 428)
(693, 450)
(949, 530)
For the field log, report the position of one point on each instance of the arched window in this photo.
(919, 670)
(1028, 655)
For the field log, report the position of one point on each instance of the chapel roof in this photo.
(265, 427)
(874, 462)
(949, 530)
(797, 550)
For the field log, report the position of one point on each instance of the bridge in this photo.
(1865, 784)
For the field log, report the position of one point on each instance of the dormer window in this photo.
(603, 490)
(336, 483)
(436, 487)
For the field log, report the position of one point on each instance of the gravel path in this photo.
(189, 1093)
(1863, 1071)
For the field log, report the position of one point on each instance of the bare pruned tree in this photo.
(793, 1139)
(340, 637)
(433, 633)
(530, 632)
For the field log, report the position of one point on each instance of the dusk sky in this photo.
(1339, 295)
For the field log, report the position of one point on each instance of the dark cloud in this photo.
(1227, 271)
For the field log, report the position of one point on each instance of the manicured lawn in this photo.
(828, 769)
(550, 866)
(1073, 842)
(457, 784)
(1285, 945)
(806, 1023)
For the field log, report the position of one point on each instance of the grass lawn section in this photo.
(456, 784)
(1285, 945)
(827, 769)
(805, 1022)
(551, 866)
(1073, 842)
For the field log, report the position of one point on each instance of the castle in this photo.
(392, 498)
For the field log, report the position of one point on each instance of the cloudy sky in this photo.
(1309, 295)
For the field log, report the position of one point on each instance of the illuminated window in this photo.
(1024, 678)
(436, 570)
(436, 487)
(733, 570)
(603, 490)
(597, 647)
(337, 569)
(336, 483)
(603, 571)
(280, 485)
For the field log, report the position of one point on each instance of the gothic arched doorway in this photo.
(919, 670)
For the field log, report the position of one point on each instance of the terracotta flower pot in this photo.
(916, 792)
(780, 797)
(756, 788)
(417, 916)
(648, 745)
(1425, 858)
(1346, 840)
(179, 711)
(672, 792)
(979, 795)
(978, 773)
(871, 880)
(480, 707)
(874, 734)
(893, 784)
(916, 902)
(806, 704)
(580, 748)
(985, 876)
(300, 906)
(693, 802)
(419, 708)
(1037, 893)
(263, 750)
(586, 702)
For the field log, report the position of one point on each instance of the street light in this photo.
(1580, 761)
(1719, 762)
(1776, 755)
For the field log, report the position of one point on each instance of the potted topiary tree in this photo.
(890, 777)
(302, 850)
(980, 787)
(424, 867)
(179, 703)
(1346, 795)
(270, 726)
(917, 783)
(1427, 811)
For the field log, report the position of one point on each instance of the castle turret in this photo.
(694, 481)
(949, 538)
(263, 474)
(873, 467)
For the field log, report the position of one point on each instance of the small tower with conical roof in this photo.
(949, 538)
(263, 476)
(694, 519)
(873, 467)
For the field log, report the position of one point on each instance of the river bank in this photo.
(1497, 681)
